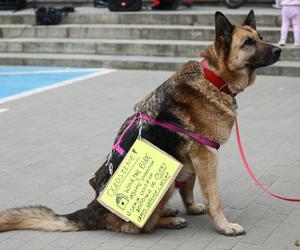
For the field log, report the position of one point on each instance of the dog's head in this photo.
(239, 50)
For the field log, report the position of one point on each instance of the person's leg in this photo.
(285, 25)
(296, 24)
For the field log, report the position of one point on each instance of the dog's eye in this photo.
(249, 41)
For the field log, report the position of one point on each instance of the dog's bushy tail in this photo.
(43, 218)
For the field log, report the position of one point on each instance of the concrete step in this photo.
(137, 40)
(168, 48)
(169, 18)
(125, 31)
(283, 68)
(194, 16)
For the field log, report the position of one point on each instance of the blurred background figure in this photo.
(290, 15)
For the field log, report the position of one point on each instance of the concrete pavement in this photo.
(52, 142)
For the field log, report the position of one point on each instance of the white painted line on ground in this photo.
(3, 110)
(45, 72)
(54, 86)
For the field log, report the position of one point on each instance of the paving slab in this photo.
(52, 142)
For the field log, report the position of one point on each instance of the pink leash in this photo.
(250, 171)
(200, 139)
(143, 116)
(117, 146)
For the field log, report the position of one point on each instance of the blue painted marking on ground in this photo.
(15, 84)
(36, 68)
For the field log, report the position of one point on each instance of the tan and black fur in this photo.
(187, 100)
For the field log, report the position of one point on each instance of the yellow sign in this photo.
(139, 183)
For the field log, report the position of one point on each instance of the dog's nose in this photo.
(276, 52)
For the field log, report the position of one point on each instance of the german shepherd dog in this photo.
(187, 100)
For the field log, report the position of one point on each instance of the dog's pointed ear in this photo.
(250, 20)
(224, 31)
(223, 27)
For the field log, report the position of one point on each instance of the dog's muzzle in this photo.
(265, 56)
(276, 54)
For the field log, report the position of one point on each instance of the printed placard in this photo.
(139, 183)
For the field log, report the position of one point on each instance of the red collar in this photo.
(214, 79)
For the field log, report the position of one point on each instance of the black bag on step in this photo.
(50, 16)
(124, 5)
(167, 4)
(12, 4)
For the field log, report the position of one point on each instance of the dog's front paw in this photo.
(196, 209)
(232, 229)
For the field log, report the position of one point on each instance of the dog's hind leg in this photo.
(157, 220)
(114, 223)
(171, 223)
(205, 162)
(104, 219)
(187, 195)
(169, 212)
